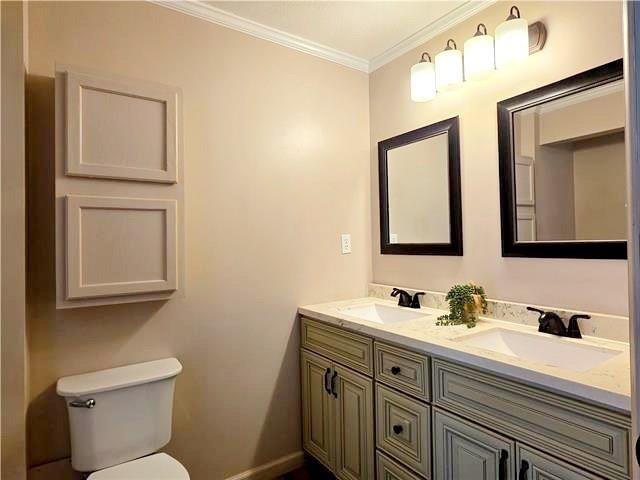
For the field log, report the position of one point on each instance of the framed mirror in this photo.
(562, 168)
(420, 199)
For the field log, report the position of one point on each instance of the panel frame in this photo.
(77, 79)
(444, 423)
(347, 378)
(75, 290)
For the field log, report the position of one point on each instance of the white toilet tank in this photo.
(119, 414)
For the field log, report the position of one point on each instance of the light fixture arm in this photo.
(479, 32)
(423, 59)
(449, 47)
(513, 16)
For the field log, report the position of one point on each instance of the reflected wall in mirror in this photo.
(420, 191)
(562, 168)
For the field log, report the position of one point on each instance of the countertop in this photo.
(608, 384)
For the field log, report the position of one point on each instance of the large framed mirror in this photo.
(562, 168)
(420, 199)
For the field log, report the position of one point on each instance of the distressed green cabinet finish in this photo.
(317, 415)
(403, 429)
(593, 437)
(534, 465)
(347, 348)
(478, 426)
(399, 368)
(337, 417)
(465, 451)
(389, 469)
(354, 425)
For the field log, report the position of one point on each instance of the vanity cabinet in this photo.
(465, 450)
(439, 420)
(337, 402)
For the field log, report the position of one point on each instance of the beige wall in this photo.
(582, 35)
(12, 200)
(276, 167)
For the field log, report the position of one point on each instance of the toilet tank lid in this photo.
(120, 377)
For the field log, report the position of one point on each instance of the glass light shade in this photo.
(512, 41)
(448, 70)
(478, 57)
(423, 82)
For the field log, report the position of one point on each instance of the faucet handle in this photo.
(537, 310)
(415, 302)
(573, 330)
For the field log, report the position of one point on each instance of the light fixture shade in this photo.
(423, 80)
(449, 68)
(479, 59)
(512, 39)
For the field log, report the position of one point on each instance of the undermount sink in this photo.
(540, 348)
(377, 313)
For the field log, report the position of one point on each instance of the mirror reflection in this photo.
(418, 189)
(570, 173)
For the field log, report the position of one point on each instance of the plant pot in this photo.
(472, 311)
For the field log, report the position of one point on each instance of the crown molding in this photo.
(235, 22)
(430, 31)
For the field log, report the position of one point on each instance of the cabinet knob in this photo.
(397, 429)
(395, 370)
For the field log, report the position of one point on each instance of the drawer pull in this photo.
(333, 384)
(524, 468)
(395, 370)
(397, 429)
(326, 381)
(502, 467)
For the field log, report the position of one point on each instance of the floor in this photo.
(311, 471)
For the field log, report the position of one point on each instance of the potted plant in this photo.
(466, 303)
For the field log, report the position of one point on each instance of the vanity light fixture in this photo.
(423, 79)
(512, 39)
(479, 58)
(449, 68)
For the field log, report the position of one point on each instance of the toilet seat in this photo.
(159, 466)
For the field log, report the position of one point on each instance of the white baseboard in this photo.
(273, 469)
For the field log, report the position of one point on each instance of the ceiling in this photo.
(362, 29)
(359, 34)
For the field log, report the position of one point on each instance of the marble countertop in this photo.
(607, 384)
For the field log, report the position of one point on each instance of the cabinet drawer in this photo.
(349, 349)
(466, 451)
(534, 465)
(391, 470)
(407, 371)
(592, 436)
(403, 429)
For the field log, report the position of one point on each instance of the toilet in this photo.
(119, 418)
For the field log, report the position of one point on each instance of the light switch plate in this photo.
(345, 241)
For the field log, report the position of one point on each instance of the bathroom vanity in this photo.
(387, 394)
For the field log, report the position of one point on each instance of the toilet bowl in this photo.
(119, 418)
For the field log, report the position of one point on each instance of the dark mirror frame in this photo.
(454, 247)
(608, 249)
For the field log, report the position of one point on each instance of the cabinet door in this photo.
(317, 403)
(533, 465)
(354, 424)
(463, 450)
